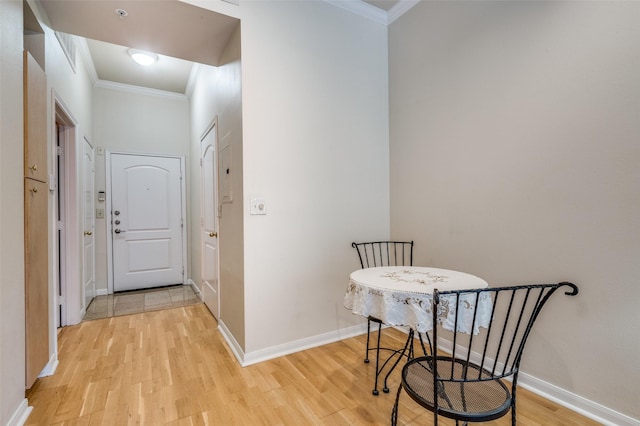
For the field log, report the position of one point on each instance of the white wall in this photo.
(128, 121)
(315, 146)
(217, 93)
(72, 88)
(514, 156)
(12, 366)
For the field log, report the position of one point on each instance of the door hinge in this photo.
(59, 225)
(60, 300)
(59, 150)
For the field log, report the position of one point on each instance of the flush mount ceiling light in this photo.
(143, 58)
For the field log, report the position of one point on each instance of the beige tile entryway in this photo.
(132, 302)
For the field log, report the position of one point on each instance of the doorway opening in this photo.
(66, 246)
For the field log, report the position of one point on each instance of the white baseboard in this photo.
(266, 354)
(102, 292)
(21, 414)
(303, 344)
(584, 406)
(51, 367)
(195, 288)
(232, 342)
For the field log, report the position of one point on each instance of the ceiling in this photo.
(181, 34)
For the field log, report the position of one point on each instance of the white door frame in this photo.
(109, 234)
(67, 260)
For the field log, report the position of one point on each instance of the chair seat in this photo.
(471, 401)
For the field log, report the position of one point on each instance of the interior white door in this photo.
(209, 229)
(89, 221)
(146, 221)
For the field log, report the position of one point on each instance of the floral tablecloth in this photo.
(402, 295)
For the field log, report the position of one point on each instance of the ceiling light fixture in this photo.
(143, 58)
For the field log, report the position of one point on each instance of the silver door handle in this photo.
(118, 231)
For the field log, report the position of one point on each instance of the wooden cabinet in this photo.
(36, 211)
(36, 278)
(35, 119)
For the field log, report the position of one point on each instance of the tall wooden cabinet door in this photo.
(37, 279)
(35, 120)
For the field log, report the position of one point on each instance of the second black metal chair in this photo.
(382, 253)
(467, 380)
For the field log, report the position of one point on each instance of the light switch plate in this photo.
(258, 206)
(99, 213)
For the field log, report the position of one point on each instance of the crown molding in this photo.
(363, 9)
(140, 90)
(368, 11)
(400, 9)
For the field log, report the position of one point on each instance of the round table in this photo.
(402, 295)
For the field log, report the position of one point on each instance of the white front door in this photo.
(209, 229)
(146, 221)
(89, 221)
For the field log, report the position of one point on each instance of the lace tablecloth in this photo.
(401, 296)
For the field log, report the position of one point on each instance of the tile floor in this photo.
(133, 302)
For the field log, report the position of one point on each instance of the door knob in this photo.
(34, 167)
(213, 234)
(117, 222)
(117, 212)
(88, 233)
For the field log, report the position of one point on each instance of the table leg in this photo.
(410, 352)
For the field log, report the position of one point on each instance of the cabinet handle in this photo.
(34, 167)
(88, 233)
(34, 189)
(213, 234)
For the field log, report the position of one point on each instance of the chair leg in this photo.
(375, 385)
(366, 353)
(513, 406)
(394, 410)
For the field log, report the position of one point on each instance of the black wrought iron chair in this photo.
(468, 382)
(382, 253)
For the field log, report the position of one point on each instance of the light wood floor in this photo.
(173, 367)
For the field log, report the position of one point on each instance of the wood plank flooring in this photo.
(172, 367)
